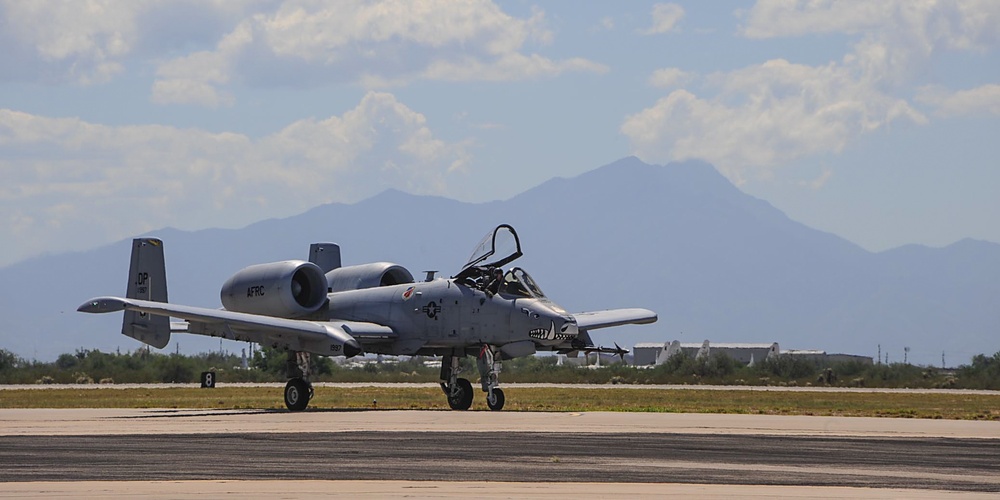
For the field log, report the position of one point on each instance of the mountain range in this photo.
(680, 239)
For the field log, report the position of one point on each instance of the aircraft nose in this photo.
(569, 327)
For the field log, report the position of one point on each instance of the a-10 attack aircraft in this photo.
(318, 307)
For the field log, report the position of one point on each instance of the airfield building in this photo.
(654, 353)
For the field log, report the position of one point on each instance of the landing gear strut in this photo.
(489, 373)
(298, 390)
(458, 390)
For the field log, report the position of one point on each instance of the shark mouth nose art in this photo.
(568, 331)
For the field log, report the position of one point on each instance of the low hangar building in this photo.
(654, 353)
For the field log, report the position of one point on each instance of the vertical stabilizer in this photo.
(147, 280)
(325, 255)
(704, 352)
(668, 351)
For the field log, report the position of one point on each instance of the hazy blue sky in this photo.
(877, 121)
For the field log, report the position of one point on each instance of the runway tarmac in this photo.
(406, 453)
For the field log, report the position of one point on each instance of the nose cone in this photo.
(569, 327)
(553, 327)
(352, 348)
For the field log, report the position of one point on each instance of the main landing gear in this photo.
(298, 390)
(459, 390)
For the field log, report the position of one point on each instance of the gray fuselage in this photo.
(443, 316)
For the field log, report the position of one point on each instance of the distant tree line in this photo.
(269, 365)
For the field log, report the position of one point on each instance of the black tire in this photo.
(496, 402)
(297, 394)
(462, 397)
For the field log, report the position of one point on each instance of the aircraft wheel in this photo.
(496, 401)
(462, 398)
(297, 393)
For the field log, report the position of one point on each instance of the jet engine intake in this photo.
(367, 276)
(288, 289)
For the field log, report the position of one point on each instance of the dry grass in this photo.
(900, 405)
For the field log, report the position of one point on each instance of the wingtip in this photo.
(102, 305)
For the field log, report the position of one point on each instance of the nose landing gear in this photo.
(489, 373)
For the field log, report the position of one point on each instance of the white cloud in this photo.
(68, 179)
(670, 77)
(508, 68)
(964, 24)
(782, 18)
(193, 80)
(375, 44)
(764, 116)
(189, 91)
(818, 183)
(665, 18)
(897, 35)
(980, 100)
(85, 40)
(94, 41)
(203, 46)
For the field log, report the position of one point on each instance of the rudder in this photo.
(147, 280)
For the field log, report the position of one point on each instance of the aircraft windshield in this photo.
(518, 282)
(500, 246)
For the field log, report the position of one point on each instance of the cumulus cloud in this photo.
(82, 42)
(94, 41)
(60, 174)
(897, 36)
(955, 24)
(984, 99)
(201, 47)
(508, 68)
(665, 18)
(375, 44)
(193, 80)
(764, 116)
(767, 115)
(670, 77)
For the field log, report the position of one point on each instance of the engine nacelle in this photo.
(367, 276)
(287, 289)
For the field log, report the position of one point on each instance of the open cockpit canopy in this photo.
(518, 282)
(499, 247)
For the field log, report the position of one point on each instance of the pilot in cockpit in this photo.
(493, 287)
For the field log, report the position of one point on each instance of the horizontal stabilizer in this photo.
(320, 337)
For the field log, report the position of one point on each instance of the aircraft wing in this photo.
(613, 317)
(321, 337)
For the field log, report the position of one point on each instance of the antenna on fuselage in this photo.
(430, 275)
